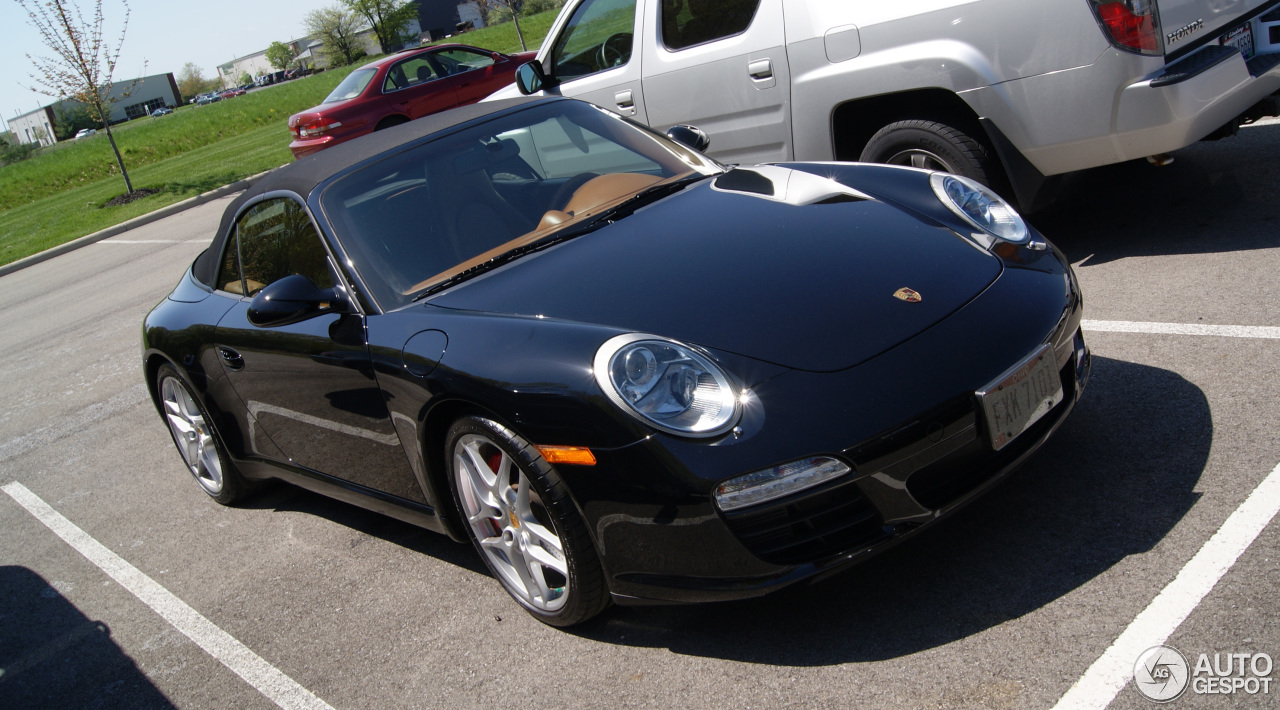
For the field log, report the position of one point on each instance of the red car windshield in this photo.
(352, 86)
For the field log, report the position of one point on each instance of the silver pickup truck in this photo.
(1010, 92)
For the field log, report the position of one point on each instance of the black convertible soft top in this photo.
(301, 177)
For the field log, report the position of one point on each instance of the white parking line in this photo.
(1113, 670)
(264, 677)
(151, 241)
(1227, 331)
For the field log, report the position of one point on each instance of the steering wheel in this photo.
(615, 51)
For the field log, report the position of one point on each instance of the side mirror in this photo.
(292, 299)
(690, 136)
(530, 78)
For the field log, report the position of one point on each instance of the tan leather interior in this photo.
(606, 188)
(553, 218)
(595, 193)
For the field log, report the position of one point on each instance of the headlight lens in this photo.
(980, 207)
(667, 385)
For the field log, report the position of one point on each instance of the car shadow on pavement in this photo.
(53, 656)
(281, 497)
(1215, 197)
(1113, 482)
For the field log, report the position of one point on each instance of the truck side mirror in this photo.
(690, 136)
(530, 78)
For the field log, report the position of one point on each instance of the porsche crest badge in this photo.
(906, 294)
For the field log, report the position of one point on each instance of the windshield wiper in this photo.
(510, 256)
(622, 209)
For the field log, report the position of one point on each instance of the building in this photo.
(133, 98)
(139, 97)
(34, 126)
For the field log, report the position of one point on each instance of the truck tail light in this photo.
(1131, 25)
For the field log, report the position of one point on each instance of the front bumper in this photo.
(914, 437)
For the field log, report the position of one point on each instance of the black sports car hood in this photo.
(807, 284)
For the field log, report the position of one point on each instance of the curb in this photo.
(147, 218)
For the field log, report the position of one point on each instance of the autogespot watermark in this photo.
(1162, 674)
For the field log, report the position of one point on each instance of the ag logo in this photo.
(1161, 673)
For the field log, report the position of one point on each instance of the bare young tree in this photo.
(82, 64)
(512, 7)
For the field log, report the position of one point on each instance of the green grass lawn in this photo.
(58, 195)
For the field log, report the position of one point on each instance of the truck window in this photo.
(686, 23)
(597, 37)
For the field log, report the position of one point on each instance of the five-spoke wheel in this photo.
(196, 440)
(518, 514)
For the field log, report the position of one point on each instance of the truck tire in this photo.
(932, 146)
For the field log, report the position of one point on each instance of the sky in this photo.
(162, 36)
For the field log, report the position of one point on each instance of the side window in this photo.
(456, 61)
(273, 239)
(686, 23)
(597, 37)
(410, 72)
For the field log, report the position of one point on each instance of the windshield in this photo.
(438, 209)
(351, 87)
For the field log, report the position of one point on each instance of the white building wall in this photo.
(34, 127)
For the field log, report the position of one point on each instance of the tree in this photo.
(389, 20)
(337, 28)
(512, 8)
(83, 64)
(71, 118)
(191, 81)
(280, 55)
(245, 78)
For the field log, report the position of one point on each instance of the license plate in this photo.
(1020, 397)
(1241, 38)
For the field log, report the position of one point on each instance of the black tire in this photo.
(932, 146)
(197, 440)
(390, 121)
(538, 549)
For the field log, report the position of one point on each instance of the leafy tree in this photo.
(389, 19)
(82, 64)
(245, 79)
(71, 117)
(280, 55)
(337, 27)
(191, 81)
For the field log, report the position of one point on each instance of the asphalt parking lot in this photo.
(122, 585)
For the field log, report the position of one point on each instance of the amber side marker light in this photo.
(579, 455)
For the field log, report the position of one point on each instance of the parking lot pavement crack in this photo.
(74, 423)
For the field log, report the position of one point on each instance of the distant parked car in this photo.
(232, 93)
(208, 99)
(400, 88)
(162, 111)
(84, 133)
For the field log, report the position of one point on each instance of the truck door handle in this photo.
(624, 99)
(760, 69)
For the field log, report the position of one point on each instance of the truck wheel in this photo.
(931, 146)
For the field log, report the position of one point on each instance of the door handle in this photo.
(760, 69)
(233, 359)
(624, 99)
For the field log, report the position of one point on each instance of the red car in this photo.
(402, 87)
(232, 93)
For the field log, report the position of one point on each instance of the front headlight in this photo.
(667, 385)
(980, 207)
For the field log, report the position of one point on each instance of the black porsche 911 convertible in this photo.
(623, 371)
